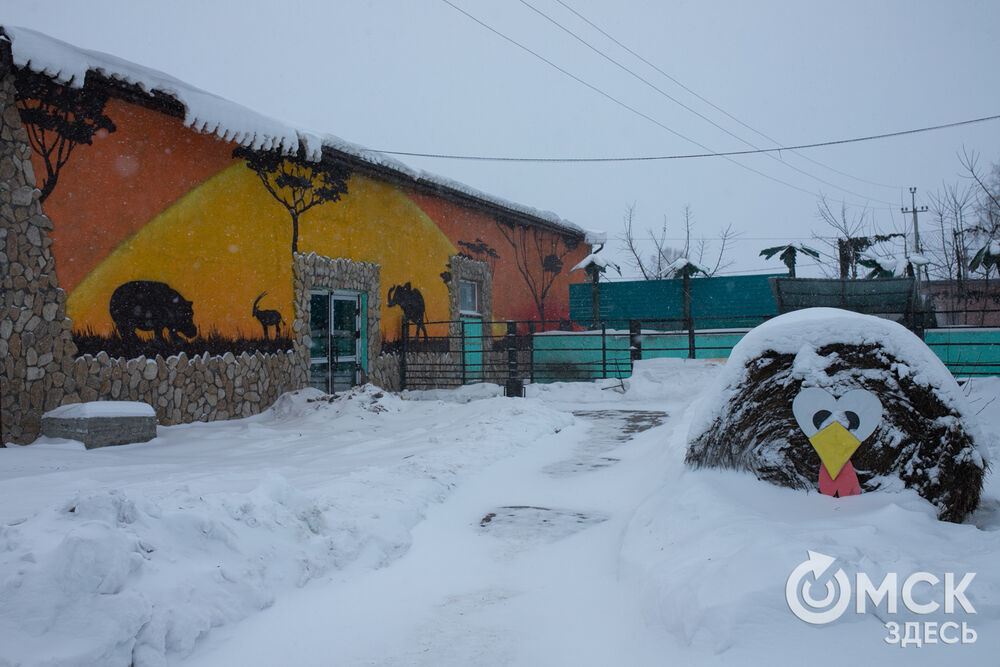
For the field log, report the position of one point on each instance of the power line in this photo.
(619, 103)
(741, 237)
(690, 156)
(685, 106)
(710, 103)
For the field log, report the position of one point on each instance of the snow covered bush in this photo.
(927, 437)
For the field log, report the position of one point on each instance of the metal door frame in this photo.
(332, 359)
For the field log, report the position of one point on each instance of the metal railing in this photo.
(512, 353)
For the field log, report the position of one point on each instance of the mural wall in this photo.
(169, 240)
(530, 266)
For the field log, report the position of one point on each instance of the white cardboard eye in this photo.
(807, 403)
(868, 409)
(861, 402)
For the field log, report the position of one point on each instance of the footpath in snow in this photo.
(454, 528)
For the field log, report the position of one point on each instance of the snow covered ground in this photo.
(458, 528)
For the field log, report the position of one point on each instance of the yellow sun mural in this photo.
(377, 223)
(227, 241)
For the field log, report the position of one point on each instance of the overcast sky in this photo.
(421, 76)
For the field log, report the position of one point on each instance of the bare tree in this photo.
(726, 235)
(948, 249)
(988, 196)
(651, 264)
(856, 235)
(655, 265)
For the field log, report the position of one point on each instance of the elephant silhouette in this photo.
(412, 302)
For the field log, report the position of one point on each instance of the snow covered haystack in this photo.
(926, 436)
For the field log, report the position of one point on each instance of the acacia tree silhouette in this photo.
(296, 183)
(58, 118)
(481, 250)
(538, 257)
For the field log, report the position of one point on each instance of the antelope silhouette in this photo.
(267, 318)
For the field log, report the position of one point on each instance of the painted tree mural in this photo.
(539, 255)
(296, 183)
(58, 119)
(482, 251)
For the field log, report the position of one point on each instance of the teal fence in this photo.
(510, 353)
(966, 351)
(595, 354)
(589, 355)
(731, 301)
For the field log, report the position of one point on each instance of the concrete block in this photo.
(101, 423)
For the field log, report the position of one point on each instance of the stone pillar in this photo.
(36, 346)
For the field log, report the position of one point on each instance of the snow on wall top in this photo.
(803, 332)
(102, 409)
(209, 113)
(597, 260)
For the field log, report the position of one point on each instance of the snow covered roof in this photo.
(209, 113)
(681, 263)
(597, 260)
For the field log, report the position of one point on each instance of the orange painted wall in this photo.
(107, 191)
(511, 297)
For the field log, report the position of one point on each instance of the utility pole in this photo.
(916, 231)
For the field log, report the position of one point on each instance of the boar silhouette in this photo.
(146, 305)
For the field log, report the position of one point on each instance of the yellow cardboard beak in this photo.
(835, 446)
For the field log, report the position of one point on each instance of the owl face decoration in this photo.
(836, 427)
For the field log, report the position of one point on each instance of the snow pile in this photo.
(130, 556)
(463, 394)
(461, 529)
(928, 435)
(709, 554)
(709, 551)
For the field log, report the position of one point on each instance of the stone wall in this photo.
(182, 389)
(384, 371)
(466, 268)
(36, 347)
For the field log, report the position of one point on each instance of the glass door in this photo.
(335, 323)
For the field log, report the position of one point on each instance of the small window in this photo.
(468, 296)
